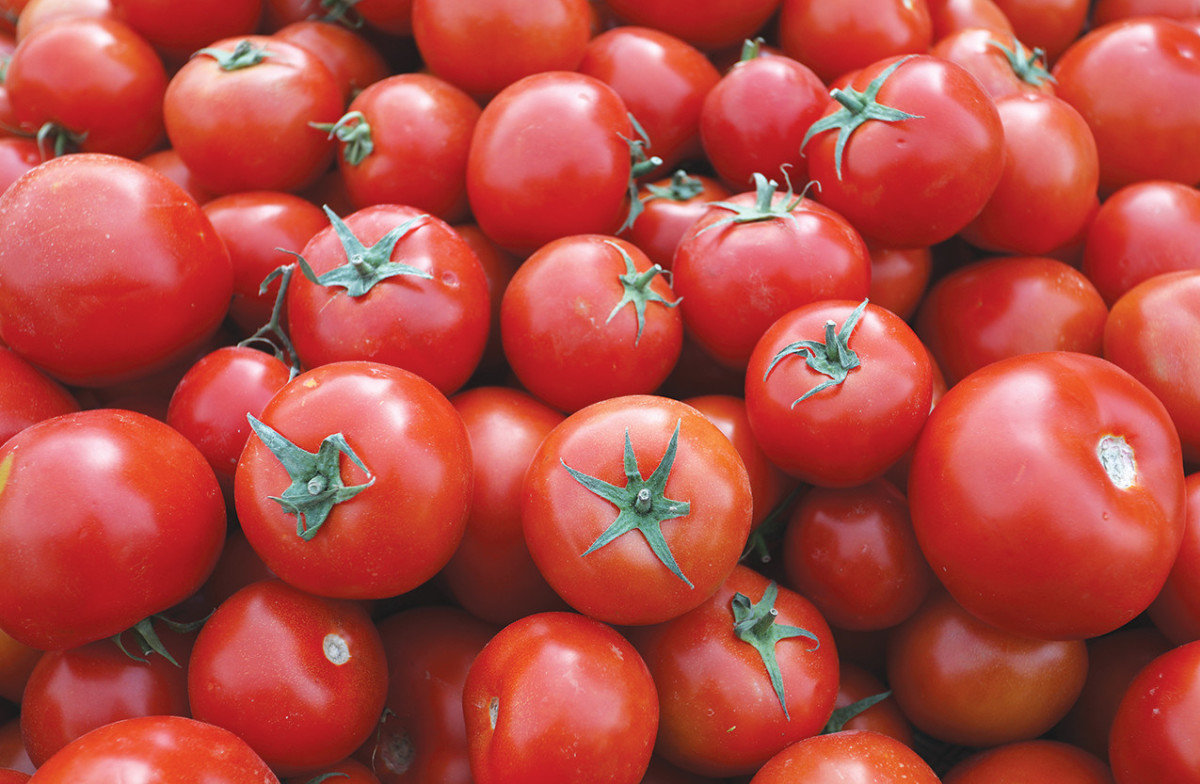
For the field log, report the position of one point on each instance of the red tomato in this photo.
(1003, 307)
(70, 301)
(744, 674)
(18, 155)
(638, 462)
(1030, 761)
(36, 13)
(1051, 25)
(708, 24)
(300, 678)
(910, 152)
(1001, 63)
(557, 697)
(1148, 134)
(179, 30)
(950, 16)
(837, 391)
(836, 38)
(669, 208)
(348, 771)
(899, 277)
(354, 61)
(239, 113)
(1151, 737)
(588, 317)
(1106, 11)
(27, 396)
(854, 755)
(392, 517)
(499, 266)
(168, 163)
(1176, 610)
(17, 661)
(1049, 474)
(157, 750)
(962, 681)
(855, 684)
(114, 493)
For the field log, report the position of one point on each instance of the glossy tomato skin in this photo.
(558, 697)
(888, 187)
(248, 128)
(624, 582)
(70, 301)
(836, 38)
(549, 159)
(116, 493)
(350, 56)
(709, 24)
(981, 51)
(1048, 439)
(179, 32)
(1031, 761)
(399, 531)
(301, 678)
(1052, 25)
(434, 324)
(665, 219)
(899, 278)
(157, 750)
(1150, 733)
(556, 329)
(950, 16)
(965, 682)
(720, 715)
(853, 755)
(1176, 610)
(848, 433)
(28, 396)
(856, 683)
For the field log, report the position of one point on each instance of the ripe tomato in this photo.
(1031, 762)
(178, 31)
(28, 396)
(1176, 610)
(1052, 473)
(853, 755)
(1051, 25)
(559, 697)
(855, 684)
(899, 277)
(669, 208)
(637, 462)
(70, 301)
(836, 38)
(126, 507)
(708, 24)
(300, 678)
(353, 59)
(1151, 733)
(1001, 63)
(357, 483)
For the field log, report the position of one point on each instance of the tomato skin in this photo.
(181, 31)
(836, 38)
(100, 320)
(708, 24)
(852, 755)
(157, 750)
(950, 16)
(28, 396)
(975, 48)
(1176, 610)
(720, 715)
(664, 220)
(899, 278)
(548, 159)
(572, 700)
(856, 683)
(1106, 11)
(1007, 491)
(353, 60)
(1052, 25)
(624, 582)
(401, 530)
(116, 493)
(300, 678)
(1030, 761)
(1150, 739)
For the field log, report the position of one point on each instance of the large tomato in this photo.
(1049, 474)
(851, 756)
(1151, 738)
(28, 396)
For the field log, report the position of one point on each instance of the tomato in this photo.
(37, 13)
(836, 38)
(12, 749)
(588, 317)
(853, 554)
(395, 285)
(558, 697)
(157, 750)
(669, 207)
(1150, 739)
(17, 661)
(663, 81)
(1001, 63)
(1003, 307)
(1147, 135)
(348, 771)
(28, 396)
(11, 776)
(962, 681)
(1142, 230)
(550, 157)
(18, 155)
(491, 573)
(918, 149)
(422, 737)
(1030, 761)
(950, 16)
(178, 32)
(168, 163)
(354, 60)
(854, 755)
(357, 483)
(239, 114)
(899, 277)
(1176, 610)
(709, 24)
(636, 462)
(65, 318)
(524, 37)
(753, 257)
(1051, 25)
(499, 266)
(837, 391)
(855, 684)
(116, 494)
(88, 84)
(300, 678)
(1106, 11)
(1052, 473)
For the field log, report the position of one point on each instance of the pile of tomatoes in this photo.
(600, 391)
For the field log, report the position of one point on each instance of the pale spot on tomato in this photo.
(336, 649)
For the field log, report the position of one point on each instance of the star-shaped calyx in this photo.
(1030, 67)
(636, 290)
(365, 266)
(317, 484)
(833, 358)
(641, 503)
(764, 207)
(755, 623)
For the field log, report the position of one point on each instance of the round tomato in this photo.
(707, 24)
(669, 208)
(28, 396)
(1151, 737)
(852, 755)
(1032, 762)
(1051, 25)
(836, 38)
(1001, 63)
(950, 16)
(352, 58)
(178, 31)
(1176, 610)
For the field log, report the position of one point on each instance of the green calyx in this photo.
(364, 266)
(637, 291)
(640, 165)
(147, 638)
(755, 623)
(641, 503)
(682, 187)
(354, 132)
(317, 484)
(839, 717)
(323, 777)
(1028, 66)
(54, 140)
(751, 49)
(244, 55)
(857, 108)
(341, 12)
(833, 358)
(764, 207)
(272, 334)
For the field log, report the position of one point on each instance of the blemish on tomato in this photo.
(1116, 457)
(5, 470)
(336, 649)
